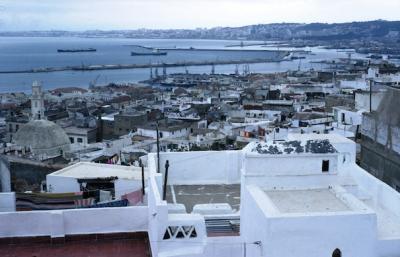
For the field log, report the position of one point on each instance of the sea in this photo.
(24, 53)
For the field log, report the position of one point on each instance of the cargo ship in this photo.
(76, 50)
(154, 52)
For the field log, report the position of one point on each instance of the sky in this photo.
(184, 14)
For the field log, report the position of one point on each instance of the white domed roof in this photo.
(43, 138)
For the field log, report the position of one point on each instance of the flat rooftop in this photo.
(190, 195)
(306, 201)
(294, 147)
(85, 170)
(78, 131)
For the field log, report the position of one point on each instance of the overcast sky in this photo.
(133, 14)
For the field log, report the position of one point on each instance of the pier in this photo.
(139, 66)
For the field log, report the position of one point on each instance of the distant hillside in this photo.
(315, 31)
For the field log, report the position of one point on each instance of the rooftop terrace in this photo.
(306, 201)
(94, 170)
(190, 195)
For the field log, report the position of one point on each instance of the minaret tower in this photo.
(37, 102)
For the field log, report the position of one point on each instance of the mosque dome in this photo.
(45, 138)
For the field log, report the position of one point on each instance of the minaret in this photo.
(37, 102)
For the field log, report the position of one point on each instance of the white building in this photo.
(121, 179)
(164, 131)
(347, 116)
(82, 136)
(366, 100)
(303, 197)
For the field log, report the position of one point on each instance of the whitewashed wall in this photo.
(59, 184)
(225, 246)
(293, 164)
(20, 224)
(124, 186)
(165, 134)
(106, 220)
(389, 247)
(209, 167)
(380, 192)
(320, 235)
(74, 221)
(253, 223)
(157, 215)
(362, 100)
(7, 202)
(304, 235)
(354, 84)
(350, 117)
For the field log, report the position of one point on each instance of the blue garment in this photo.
(117, 203)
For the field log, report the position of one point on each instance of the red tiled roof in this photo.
(120, 99)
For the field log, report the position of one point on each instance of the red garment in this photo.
(82, 203)
(134, 197)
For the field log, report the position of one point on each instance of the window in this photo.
(325, 166)
(337, 253)
(72, 140)
(80, 140)
(16, 127)
(343, 117)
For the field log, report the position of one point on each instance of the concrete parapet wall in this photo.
(74, 221)
(7, 202)
(210, 167)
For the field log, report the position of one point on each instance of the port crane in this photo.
(93, 83)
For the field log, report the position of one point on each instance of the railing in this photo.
(229, 225)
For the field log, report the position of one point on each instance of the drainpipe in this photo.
(165, 180)
(141, 165)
